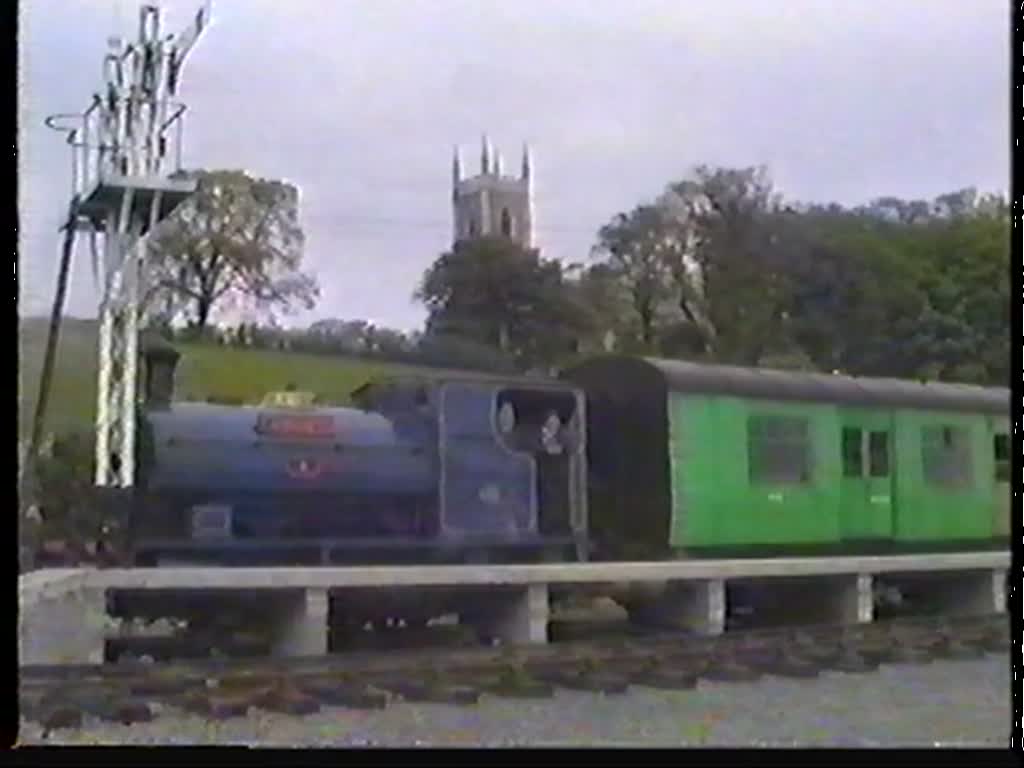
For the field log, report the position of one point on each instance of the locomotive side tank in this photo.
(422, 469)
(290, 472)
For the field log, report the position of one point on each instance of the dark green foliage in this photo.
(495, 293)
(70, 508)
(456, 351)
(719, 268)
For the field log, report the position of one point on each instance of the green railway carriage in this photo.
(705, 459)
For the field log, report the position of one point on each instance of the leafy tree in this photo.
(720, 268)
(856, 297)
(493, 292)
(236, 239)
(632, 247)
(451, 351)
(729, 277)
(704, 266)
(609, 320)
(913, 295)
(344, 335)
(965, 264)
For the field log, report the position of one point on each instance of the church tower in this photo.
(493, 203)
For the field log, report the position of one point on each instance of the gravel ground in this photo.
(963, 703)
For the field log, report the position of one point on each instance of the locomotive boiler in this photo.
(422, 469)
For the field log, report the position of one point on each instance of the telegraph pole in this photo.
(125, 155)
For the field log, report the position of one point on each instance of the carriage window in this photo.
(878, 454)
(853, 456)
(779, 450)
(1001, 448)
(946, 457)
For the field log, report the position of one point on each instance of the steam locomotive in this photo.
(457, 469)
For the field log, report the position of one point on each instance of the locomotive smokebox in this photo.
(161, 361)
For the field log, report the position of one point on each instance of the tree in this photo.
(342, 335)
(856, 300)
(705, 266)
(236, 239)
(494, 292)
(450, 351)
(388, 343)
(719, 268)
(609, 320)
(910, 294)
(730, 272)
(965, 265)
(632, 246)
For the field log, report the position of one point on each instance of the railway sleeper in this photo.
(666, 679)
(907, 654)
(515, 683)
(853, 663)
(347, 695)
(435, 693)
(728, 671)
(114, 705)
(593, 681)
(288, 701)
(957, 651)
(58, 718)
(216, 706)
(874, 655)
(790, 666)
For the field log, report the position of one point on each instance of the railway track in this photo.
(222, 688)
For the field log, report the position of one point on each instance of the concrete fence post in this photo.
(300, 622)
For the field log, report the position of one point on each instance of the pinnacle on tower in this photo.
(498, 164)
(485, 156)
(456, 167)
(527, 169)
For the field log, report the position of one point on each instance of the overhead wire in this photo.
(392, 223)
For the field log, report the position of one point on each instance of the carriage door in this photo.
(866, 471)
(486, 490)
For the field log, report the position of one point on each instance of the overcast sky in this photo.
(359, 102)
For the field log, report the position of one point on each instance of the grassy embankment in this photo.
(205, 371)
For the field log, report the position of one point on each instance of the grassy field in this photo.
(204, 372)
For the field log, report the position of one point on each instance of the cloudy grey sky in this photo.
(359, 102)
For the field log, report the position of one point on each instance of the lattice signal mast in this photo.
(125, 156)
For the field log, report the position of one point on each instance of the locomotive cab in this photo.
(511, 467)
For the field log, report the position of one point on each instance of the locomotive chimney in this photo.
(161, 361)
